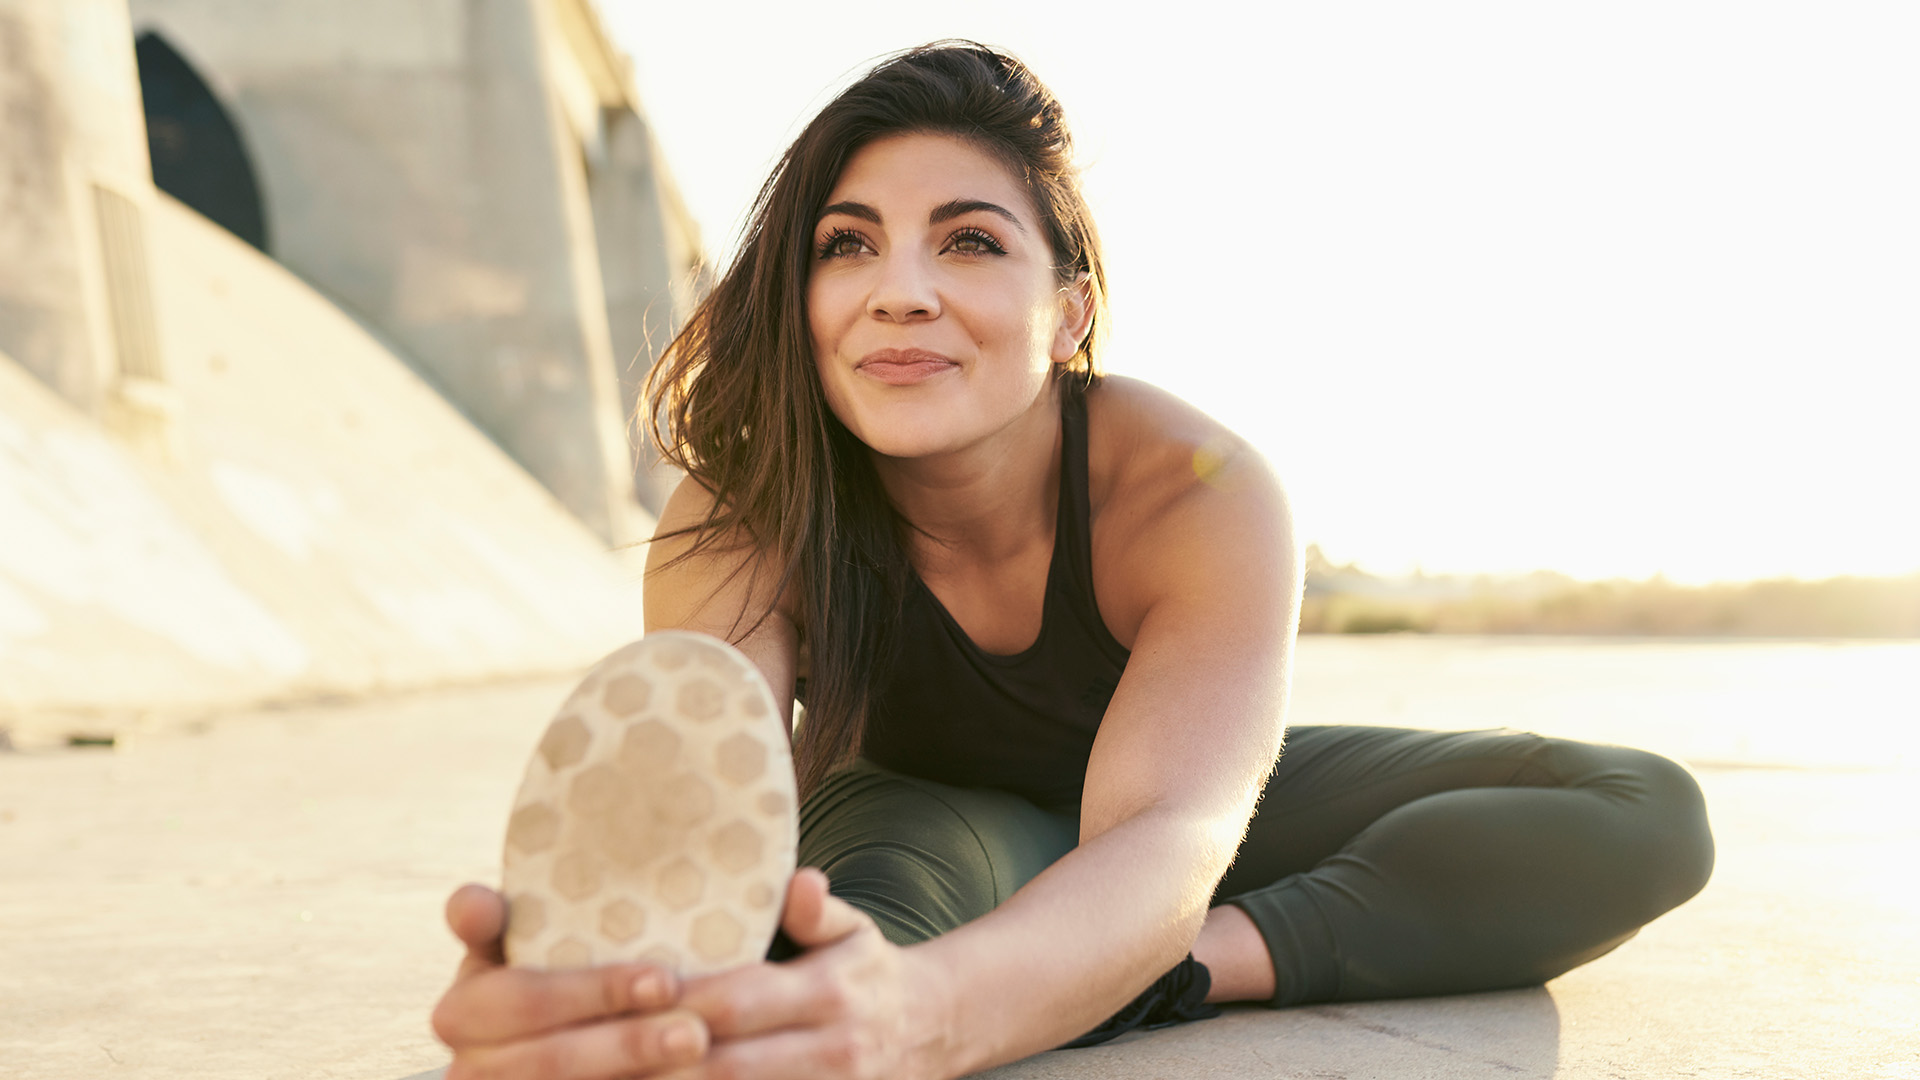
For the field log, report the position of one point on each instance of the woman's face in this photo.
(935, 310)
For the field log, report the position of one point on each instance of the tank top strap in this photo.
(1070, 580)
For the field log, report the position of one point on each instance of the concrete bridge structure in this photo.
(320, 325)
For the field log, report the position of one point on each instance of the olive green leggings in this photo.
(1382, 862)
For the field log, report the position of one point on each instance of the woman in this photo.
(1042, 624)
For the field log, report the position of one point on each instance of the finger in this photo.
(815, 917)
(760, 998)
(626, 1047)
(799, 1055)
(478, 917)
(506, 1004)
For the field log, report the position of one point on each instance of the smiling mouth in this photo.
(903, 367)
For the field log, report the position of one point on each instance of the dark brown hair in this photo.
(738, 400)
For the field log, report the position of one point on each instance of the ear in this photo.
(1076, 318)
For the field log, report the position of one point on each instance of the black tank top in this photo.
(950, 712)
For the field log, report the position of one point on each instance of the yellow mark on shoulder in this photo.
(1210, 461)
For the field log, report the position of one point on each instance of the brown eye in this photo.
(839, 243)
(974, 242)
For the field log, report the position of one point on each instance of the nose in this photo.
(905, 289)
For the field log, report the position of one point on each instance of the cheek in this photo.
(833, 306)
(828, 377)
(1042, 318)
(816, 311)
(821, 333)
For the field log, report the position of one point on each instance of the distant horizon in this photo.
(1690, 581)
(1347, 599)
(1417, 570)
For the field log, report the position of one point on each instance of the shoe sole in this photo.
(657, 819)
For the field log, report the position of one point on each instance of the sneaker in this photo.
(657, 819)
(1174, 998)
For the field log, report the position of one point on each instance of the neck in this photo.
(988, 501)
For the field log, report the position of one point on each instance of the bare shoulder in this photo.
(687, 505)
(1124, 401)
(1178, 497)
(721, 585)
(688, 509)
(1151, 452)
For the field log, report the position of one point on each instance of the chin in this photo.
(894, 428)
(923, 425)
(902, 440)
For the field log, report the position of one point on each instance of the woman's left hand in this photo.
(853, 1005)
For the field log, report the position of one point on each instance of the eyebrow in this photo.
(852, 209)
(946, 211)
(949, 210)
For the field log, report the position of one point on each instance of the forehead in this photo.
(921, 169)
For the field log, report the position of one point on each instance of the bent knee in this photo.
(1677, 841)
(1662, 816)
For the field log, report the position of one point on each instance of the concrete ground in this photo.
(260, 897)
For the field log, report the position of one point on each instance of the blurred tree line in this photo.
(1343, 599)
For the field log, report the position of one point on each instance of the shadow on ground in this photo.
(1515, 1033)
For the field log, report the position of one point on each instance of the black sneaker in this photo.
(1174, 998)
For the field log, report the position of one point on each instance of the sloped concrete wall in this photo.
(70, 124)
(325, 523)
(416, 164)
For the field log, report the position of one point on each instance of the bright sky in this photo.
(1609, 289)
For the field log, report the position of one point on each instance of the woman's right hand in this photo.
(506, 1023)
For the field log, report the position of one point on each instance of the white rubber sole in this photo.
(657, 819)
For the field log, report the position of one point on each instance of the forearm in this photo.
(1074, 945)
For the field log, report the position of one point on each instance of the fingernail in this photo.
(653, 988)
(681, 1040)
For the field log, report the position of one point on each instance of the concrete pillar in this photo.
(416, 167)
(648, 263)
(76, 305)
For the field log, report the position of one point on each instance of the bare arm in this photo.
(721, 591)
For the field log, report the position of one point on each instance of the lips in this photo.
(903, 367)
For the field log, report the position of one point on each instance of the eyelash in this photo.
(832, 241)
(979, 236)
(830, 244)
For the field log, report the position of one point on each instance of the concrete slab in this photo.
(261, 898)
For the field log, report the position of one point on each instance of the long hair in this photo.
(737, 402)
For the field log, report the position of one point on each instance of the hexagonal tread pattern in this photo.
(657, 818)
